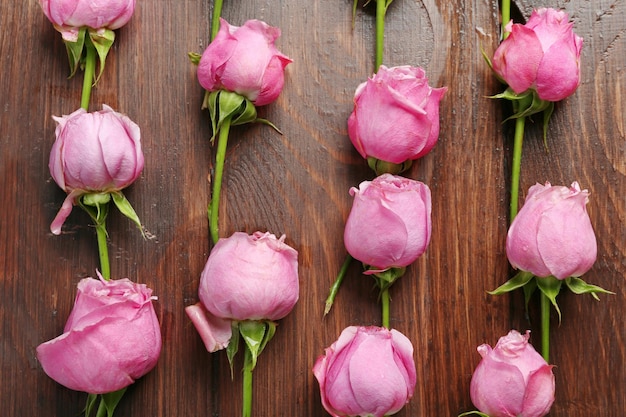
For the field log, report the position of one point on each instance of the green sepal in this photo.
(91, 402)
(354, 12)
(223, 104)
(473, 413)
(126, 209)
(194, 57)
(384, 167)
(102, 40)
(547, 114)
(578, 286)
(550, 287)
(526, 103)
(111, 400)
(96, 205)
(256, 334)
(75, 51)
(387, 3)
(386, 278)
(233, 346)
(529, 290)
(519, 280)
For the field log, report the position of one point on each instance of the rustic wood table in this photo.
(297, 183)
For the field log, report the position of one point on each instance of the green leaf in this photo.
(519, 280)
(233, 347)
(111, 400)
(75, 51)
(550, 286)
(126, 209)
(102, 40)
(578, 286)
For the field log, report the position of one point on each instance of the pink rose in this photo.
(247, 277)
(396, 115)
(552, 233)
(96, 152)
(111, 338)
(68, 16)
(389, 225)
(543, 54)
(512, 379)
(368, 371)
(244, 60)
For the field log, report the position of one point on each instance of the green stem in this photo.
(381, 9)
(506, 16)
(384, 298)
(517, 162)
(545, 326)
(215, 21)
(220, 157)
(335, 287)
(90, 70)
(101, 233)
(247, 383)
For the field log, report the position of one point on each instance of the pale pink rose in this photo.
(246, 277)
(552, 233)
(543, 55)
(368, 371)
(396, 115)
(111, 338)
(244, 60)
(389, 225)
(68, 16)
(512, 379)
(96, 152)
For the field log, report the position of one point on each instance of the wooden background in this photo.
(298, 184)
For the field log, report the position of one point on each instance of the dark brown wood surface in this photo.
(298, 184)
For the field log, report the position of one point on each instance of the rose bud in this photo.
(389, 225)
(68, 16)
(396, 117)
(368, 371)
(111, 338)
(246, 277)
(244, 60)
(542, 55)
(96, 152)
(552, 233)
(512, 379)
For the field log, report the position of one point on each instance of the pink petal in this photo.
(214, 331)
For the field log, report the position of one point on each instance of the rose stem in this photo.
(220, 156)
(101, 233)
(381, 9)
(384, 299)
(90, 70)
(518, 140)
(506, 16)
(335, 287)
(215, 21)
(247, 383)
(545, 326)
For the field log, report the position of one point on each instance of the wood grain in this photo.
(297, 183)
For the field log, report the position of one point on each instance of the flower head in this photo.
(389, 225)
(396, 115)
(111, 338)
(368, 371)
(552, 233)
(246, 277)
(244, 60)
(512, 379)
(542, 55)
(96, 152)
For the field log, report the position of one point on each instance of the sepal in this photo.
(107, 405)
(383, 167)
(578, 286)
(550, 287)
(126, 209)
(519, 280)
(473, 413)
(386, 278)
(75, 51)
(256, 334)
(102, 40)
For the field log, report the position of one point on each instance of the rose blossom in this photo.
(512, 379)
(68, 16)
(111, 338)
(552, 233)
(246, 277)
(244, 60)
(368, 371)
(396, 115)
(543, 55)
(96, 152)
(389, 225)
